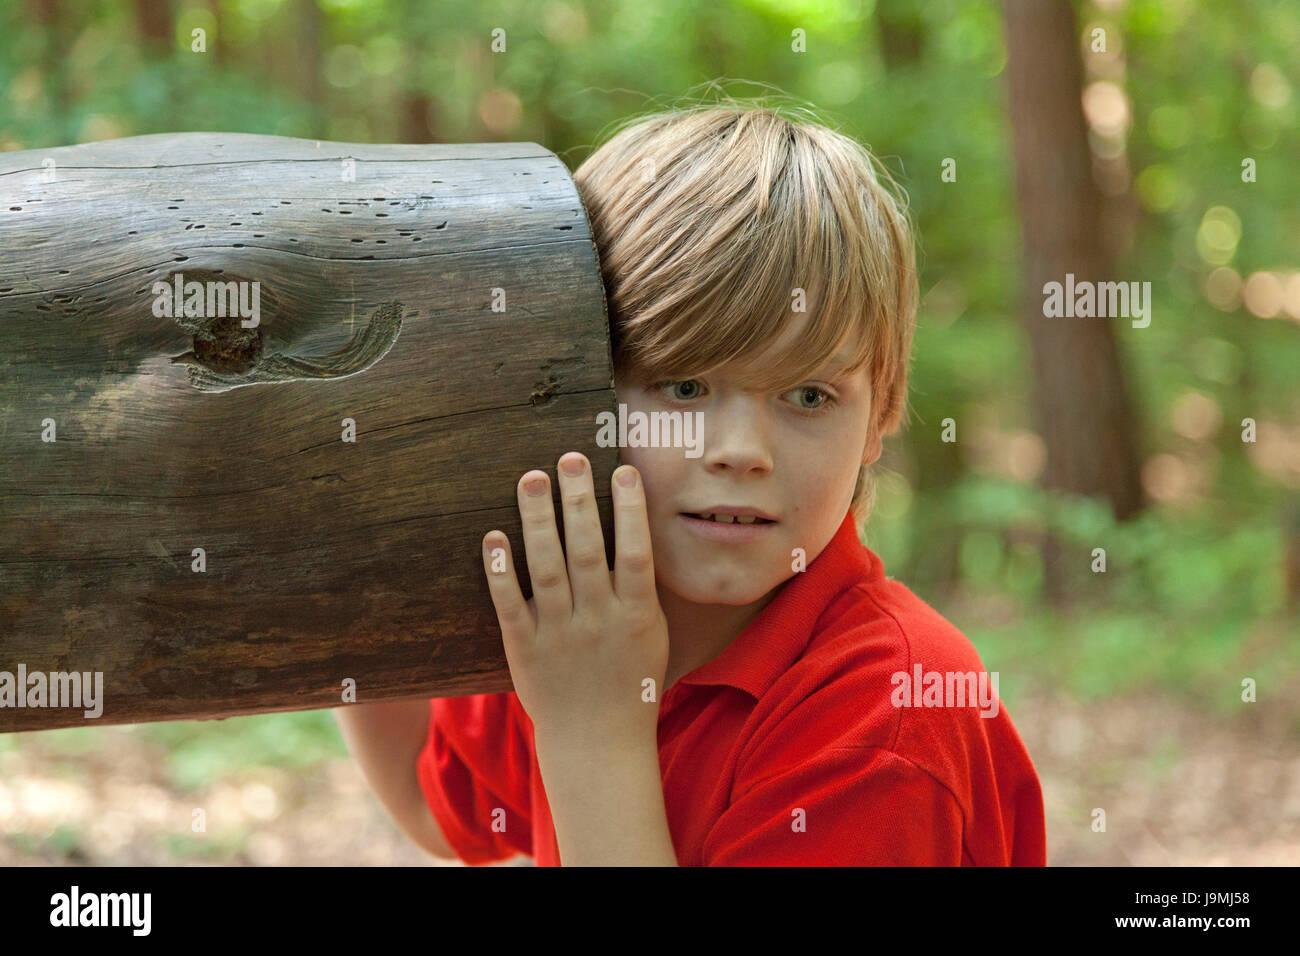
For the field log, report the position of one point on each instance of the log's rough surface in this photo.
(325, 560)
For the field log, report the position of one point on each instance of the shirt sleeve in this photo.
(848, 806)
(475, 771)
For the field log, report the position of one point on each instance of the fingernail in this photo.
(627, 477)
(571, 466)
(535, 486)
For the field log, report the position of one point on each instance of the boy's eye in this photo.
(692, 392)
(805, 392)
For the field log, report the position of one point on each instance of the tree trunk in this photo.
(1082, 401)
(217, 44)
(157, 27)
(902, 33)
(416, 125)
(55, 39)
(129, 439)
(416, 108)
(310, 69)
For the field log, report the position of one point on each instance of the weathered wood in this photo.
(325, 559)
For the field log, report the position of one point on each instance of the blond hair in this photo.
(708, 218)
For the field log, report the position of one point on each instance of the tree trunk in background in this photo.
(311, 73)
(54, 40)
(902, 33)
(1291, 560)
(416, 108)
(157, 26)
(1084, 412)
(217, 43)
(416, 125)
(935, 467)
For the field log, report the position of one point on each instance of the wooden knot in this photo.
(228, 354)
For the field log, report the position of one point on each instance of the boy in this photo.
(737, 692)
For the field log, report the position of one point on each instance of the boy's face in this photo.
(767, 451)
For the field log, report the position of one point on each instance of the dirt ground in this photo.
(1179, 789)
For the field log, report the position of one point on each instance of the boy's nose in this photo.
(738, 437)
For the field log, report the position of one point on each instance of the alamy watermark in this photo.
(651, 430)
(212, 300)
(56, 689)
(946, 689)
(1101, 300)
(75, 908)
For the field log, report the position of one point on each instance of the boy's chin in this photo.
(733, 593)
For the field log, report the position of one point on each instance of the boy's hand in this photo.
(582, 648)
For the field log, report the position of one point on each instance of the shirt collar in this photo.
(775, 639)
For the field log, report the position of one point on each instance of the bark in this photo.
(326, 560)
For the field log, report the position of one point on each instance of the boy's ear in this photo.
(875, 441)
(873, 448)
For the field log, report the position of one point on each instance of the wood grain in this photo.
(325, 559)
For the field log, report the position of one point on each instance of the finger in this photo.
(584, 543)
(542, 549)
(513, 614)
(634, 565)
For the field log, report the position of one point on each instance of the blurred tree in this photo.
(1291, 560)
(55, 40)
(417, 127)
(157, 27)
(311, 73)
(217, 42)
(1079, 389)
(902, 33)
(417, 109)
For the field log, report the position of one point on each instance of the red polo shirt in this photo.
(792, 747)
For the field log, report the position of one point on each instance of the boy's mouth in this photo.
(729, 519)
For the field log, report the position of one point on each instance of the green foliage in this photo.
(199, 752)
(1175, 609)
(201, 847)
